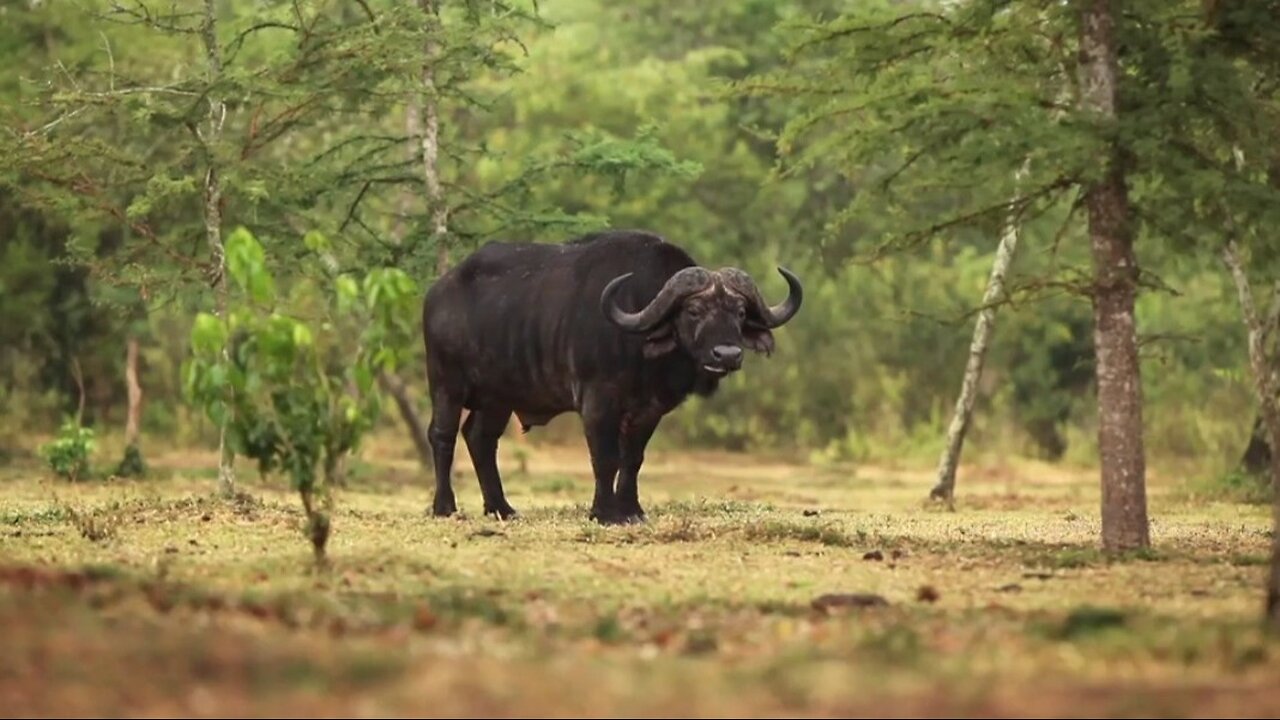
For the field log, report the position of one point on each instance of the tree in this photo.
(947, 464)
(1261, 363)
(1115, 275)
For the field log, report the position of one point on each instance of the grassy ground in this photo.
(154, 597)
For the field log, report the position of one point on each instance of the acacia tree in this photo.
(942, 104)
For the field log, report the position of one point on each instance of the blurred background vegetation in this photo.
(580, 114)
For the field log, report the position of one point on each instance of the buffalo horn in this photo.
(679, 286)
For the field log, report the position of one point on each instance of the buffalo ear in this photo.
(660, 341)
(758, 338)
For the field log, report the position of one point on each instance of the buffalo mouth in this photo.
(716, 369)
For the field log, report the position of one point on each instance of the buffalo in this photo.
(618, 326)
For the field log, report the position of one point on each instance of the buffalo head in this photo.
(711, 314)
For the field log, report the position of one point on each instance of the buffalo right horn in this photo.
(679, 286)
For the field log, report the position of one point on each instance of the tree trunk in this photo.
(1264, 384)
(947, 464)
(431, 140)
(395, 387)
(135, 393)
(1120, 436)
(1256, 459)
(213, 211)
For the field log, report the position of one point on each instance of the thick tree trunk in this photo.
(134, 389)
(950, 460)
(1264, 384)
(209, 136)
(1120, 436)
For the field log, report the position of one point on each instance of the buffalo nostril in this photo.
(727, 353)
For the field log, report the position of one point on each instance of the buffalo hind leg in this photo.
(443, 434)
(634, 437)
(482, 430)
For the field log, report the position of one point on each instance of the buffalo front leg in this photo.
(443, 434)
(482, 431)
(601, 423)
(633, 439)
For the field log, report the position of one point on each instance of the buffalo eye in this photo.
(742, 312)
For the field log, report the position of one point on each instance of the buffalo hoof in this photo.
(502, 512)
(444, 506)
(607, 516)
(617, 518)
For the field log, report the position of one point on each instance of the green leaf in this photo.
(315, 241)
(247, 264)
(302, 335)
(208, 335)
(364, 378)
(348, 293)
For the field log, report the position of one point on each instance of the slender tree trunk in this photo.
(950, 460)
(209, 137)
(1264, 384)
(395, 387)
(78, 375)
(431, 139)
(392, 383)
(1120, 435)
(134, 389)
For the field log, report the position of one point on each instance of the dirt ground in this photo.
(756, 588)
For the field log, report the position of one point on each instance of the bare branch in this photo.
(55, 122)
(111, 61)
(372, 20)
(233, 47)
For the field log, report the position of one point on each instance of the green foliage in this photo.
(811, 133)
(298, 394)
(69, 454)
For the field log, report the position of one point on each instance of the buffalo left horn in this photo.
(773, 316)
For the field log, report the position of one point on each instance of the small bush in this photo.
(68, 455)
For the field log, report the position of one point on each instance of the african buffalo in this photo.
(540, 330)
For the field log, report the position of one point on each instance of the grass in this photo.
(159, 597)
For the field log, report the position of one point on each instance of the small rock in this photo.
(792, 553)
(206, 517)
(1010, 588)
(170, 550)
(486, 532)
(873, 555)
(811, 513)
(831, 601)
(898, 554)
(927, 593)
(1037, 575)
(1200, 592)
